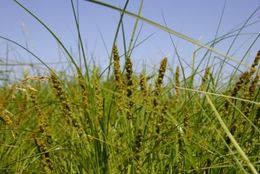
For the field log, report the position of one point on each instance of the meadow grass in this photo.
(132, 123)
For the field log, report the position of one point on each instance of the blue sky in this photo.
(197, 19)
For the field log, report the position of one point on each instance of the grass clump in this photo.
(129, 122)
(175, 133)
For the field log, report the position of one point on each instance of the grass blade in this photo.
(230, 136)
(171, 31)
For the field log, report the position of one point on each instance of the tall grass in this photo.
(128, 122)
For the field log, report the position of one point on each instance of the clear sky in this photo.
(197, 19)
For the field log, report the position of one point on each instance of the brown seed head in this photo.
(143, 84)
(117, 72)
(177, 80)
(205, 79)
(161, 74)
(255, 64)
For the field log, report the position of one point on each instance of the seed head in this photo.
(161, 74)
(117, 72)
(205, 79)
(177, 80)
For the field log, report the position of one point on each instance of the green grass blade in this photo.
(52, 33)
(116, 35)
(171, 31)
(27, 50)
(230, 136)
(76, 19)
(134, 30)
